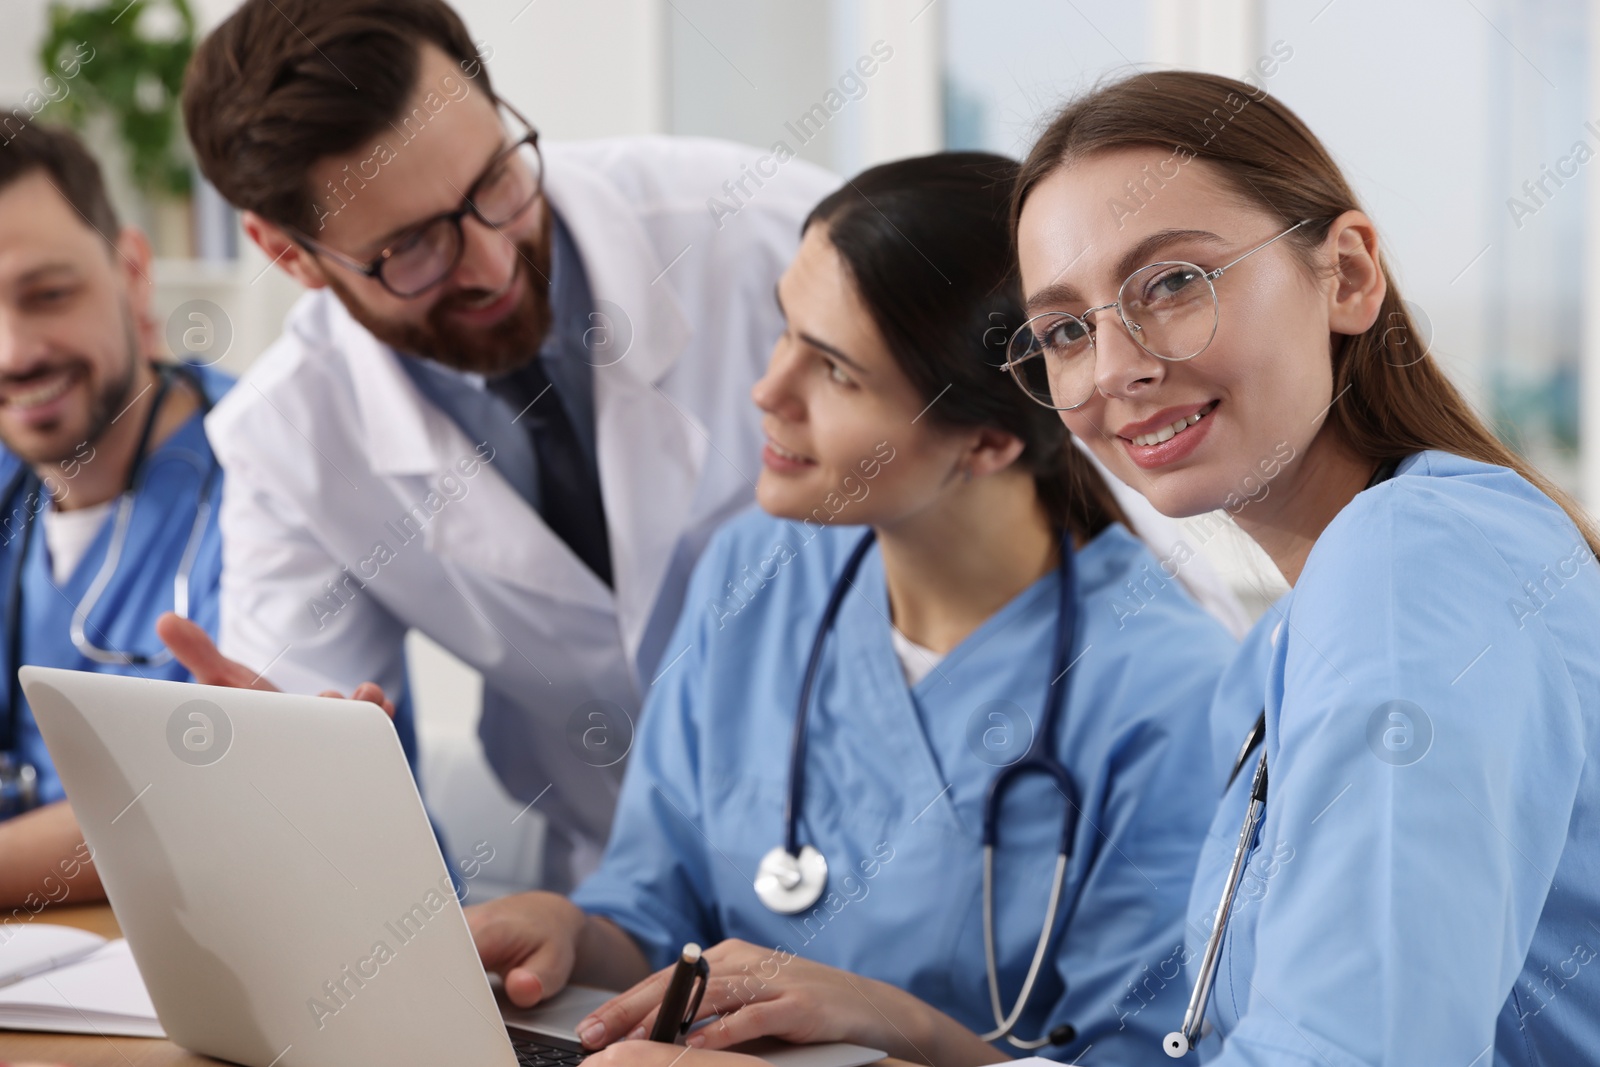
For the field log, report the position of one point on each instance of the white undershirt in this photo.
(68, 534)
(915, 660)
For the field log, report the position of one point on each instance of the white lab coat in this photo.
(349, 516)
(329, 445)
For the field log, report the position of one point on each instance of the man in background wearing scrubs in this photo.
(79, 388)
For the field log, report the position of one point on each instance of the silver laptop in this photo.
(271, 865)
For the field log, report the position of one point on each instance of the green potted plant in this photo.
(125, 61)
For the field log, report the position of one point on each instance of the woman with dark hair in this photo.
(1430, 687)
(956, 579)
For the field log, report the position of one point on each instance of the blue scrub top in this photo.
(1426, 886)
(124, 619)
(895, 781)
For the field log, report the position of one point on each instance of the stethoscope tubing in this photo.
(79, 627)
(797, 742)
(113, 560)
(1038, 758)
(1188, 1035)
(1181, 1041)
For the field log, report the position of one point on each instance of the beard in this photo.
(105, 404)
(488, 350)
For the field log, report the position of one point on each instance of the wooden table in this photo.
(77, 1050)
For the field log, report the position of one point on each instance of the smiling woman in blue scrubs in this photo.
(886, 413)
(1425, 885)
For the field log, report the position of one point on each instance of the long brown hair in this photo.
(1392, 401)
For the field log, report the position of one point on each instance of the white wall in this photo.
(25, 24)
(577, 68)
(748, 69)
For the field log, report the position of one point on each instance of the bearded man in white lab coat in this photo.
(515, 403)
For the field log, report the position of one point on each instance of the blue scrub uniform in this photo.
(1426, 886)
(124, 619)
(895, 781)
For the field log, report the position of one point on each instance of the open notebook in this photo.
(65, 980)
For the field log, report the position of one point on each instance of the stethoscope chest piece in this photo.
(788, 883)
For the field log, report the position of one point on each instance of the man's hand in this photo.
(530, 940)
(193, 648)
(540, 942)
(763, 992)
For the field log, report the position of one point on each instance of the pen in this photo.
(678, 1010)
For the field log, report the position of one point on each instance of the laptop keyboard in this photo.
(533, 1053)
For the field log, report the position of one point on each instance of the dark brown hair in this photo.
(63, 159)
(1391, 402)
(284, 83)
(926, 243)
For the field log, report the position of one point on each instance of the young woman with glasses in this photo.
(1416, 811)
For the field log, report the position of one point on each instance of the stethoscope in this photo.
(18, 778)
(1180, 1041)
(792, 876)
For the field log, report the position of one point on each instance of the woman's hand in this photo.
(192, 646)
(656, 1054)
(763, 992)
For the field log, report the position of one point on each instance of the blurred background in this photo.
(1465, 125)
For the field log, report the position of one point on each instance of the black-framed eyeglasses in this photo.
(1170, 310)
(427, 253)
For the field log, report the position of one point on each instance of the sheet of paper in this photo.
(29, 948)
(102, 994)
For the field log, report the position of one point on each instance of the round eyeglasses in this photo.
(1169, 309)
(426, 254)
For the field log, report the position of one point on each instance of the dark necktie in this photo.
(569, 485)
